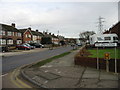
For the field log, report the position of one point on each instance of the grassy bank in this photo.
(50, 59)
(103, 51)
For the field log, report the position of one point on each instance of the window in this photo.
(26, 35)
(29, 36)
(19, 41)
(107, 38)
(115, 38)
(9, 33)
(10, 41)
(99, 38)
(19, 34)
(2, 41)
(2, 32)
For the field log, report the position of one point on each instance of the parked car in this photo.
(3, 49)
(32, 47)
(37, 45)
(23, 46)
(79, 44)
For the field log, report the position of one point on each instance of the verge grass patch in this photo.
(41, 63)
(101, 53)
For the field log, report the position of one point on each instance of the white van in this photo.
(103, 38)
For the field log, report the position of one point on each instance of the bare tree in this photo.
(85, 35)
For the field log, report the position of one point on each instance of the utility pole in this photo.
(58, 32)
(100, 25)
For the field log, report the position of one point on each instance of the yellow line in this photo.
(13, 81)
(24, 84)
(17, 81)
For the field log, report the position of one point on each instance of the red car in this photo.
(23, 46)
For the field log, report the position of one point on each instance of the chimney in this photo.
(36, 30)
(49, 33)
(29, 28)
(13, 25)
(45, 32)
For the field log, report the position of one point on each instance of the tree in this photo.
(46, 40)
(85, 35)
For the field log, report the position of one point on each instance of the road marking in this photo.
(3, 75)
(15, 80)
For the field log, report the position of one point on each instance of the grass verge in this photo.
(41, 63)
(103, 51)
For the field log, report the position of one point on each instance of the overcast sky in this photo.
(69, 18)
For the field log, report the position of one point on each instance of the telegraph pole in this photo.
(58, 32)
(100, 25)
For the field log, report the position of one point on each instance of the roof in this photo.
(54, 36)
(22, 30)
(9, 28)
(114, 29)
(36, 33)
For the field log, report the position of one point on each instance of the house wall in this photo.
(27, 37)
(55, 40)
(114, 29)
(10, 39)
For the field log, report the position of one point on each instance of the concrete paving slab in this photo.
(91, 71)
(91, 76)
(47, 75)
(73, 72)
(39, 80)
(108, 76)
(88, 83)
(62, 83)
(108, 84)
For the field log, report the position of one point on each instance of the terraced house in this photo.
(9, 35)
(36, 36)
(26, 35)
(55, 39)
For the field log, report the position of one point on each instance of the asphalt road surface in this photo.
(9, 63)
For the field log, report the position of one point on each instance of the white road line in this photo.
(3, 75)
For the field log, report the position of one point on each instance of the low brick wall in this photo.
(91, 62)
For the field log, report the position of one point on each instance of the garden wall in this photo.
(91, 62)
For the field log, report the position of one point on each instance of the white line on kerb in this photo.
(3, 75)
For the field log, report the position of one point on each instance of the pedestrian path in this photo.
(20, 52)
(62, 73)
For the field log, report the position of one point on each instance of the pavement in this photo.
(20, 52)
(62, 73)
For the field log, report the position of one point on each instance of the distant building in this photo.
(55, 39)
(36, 36)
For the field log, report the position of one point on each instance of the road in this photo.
(11, 62)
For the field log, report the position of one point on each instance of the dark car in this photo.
(37, 45)
(32, 47)
(23, 46)
(3, 49)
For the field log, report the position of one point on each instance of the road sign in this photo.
(107, 56)
(99, 44)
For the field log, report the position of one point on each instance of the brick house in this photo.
(9, 35)
(55, 39)
(26, 35)
(114, 29)
(36, 36)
